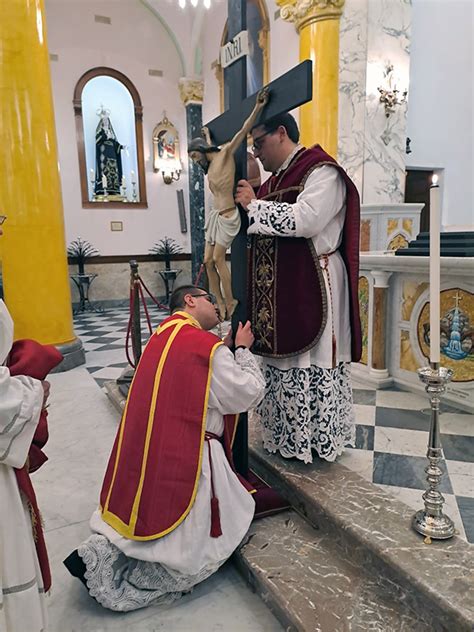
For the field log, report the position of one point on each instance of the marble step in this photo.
(302, 577)
(373, 530)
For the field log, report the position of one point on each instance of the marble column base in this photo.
(73, 354)
(115, 395)
(378, 378)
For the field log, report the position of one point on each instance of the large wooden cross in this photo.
(286, 93)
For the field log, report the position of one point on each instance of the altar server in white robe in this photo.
(22, 601)
(127, 572)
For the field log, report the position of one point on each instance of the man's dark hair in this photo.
(287, 121)
(201, 144)
(177, 297)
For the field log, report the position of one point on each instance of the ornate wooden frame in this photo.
(138, 108)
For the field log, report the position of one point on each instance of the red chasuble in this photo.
(154, 469)
(286, 292)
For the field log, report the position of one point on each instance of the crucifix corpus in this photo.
(223, 221)
(289, 91)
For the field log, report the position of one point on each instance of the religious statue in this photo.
(108, 159)
(223, 222)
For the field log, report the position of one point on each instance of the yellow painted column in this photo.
(35, 273)
(317, 22)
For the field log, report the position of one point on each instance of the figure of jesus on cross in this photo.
(223, 221)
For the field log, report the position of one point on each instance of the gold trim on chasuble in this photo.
(265, 275)
(127, 530)
(264, 299)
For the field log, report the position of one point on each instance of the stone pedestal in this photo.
(387, 227)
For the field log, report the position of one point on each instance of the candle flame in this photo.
(434, 180)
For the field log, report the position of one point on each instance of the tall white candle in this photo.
(435, 223)
(123, 181)
(104, 181)
(132, 176)
(92, 174)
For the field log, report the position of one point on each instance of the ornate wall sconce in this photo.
(389, 95)
(166, 151)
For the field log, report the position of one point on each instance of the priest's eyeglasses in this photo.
(209, 297)
(257, 143)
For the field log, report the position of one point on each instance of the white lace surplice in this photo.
(158, 571)
(308, 403)
(22, 604)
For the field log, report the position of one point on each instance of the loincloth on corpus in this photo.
(222, 230)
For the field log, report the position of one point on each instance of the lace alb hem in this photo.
(122, 583)
(307, 409)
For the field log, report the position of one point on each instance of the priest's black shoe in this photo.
(76, 566)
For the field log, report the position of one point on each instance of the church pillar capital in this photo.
(305, 12)
(381, 278)
(317, 22)
(191, 90)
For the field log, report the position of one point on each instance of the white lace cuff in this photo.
(271, 218)
(249, 363)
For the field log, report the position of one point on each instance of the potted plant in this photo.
(79, 250)
(166, 248)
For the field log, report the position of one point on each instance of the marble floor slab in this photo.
(461, 475)
(365, 414)
(400, 441)
(404, 471)
(401, 399)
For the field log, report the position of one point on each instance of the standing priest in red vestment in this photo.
(303, 299)
(172, 509)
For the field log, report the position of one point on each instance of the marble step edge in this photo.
(374, 529)
(302, 578)
(113, 393)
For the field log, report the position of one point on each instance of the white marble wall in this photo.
(374, 33)
(352, 80)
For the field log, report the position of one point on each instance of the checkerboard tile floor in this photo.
(392, 425)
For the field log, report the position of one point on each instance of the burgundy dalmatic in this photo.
(286, 291)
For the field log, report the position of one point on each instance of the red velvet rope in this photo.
(129, 328)
(141, 287)
(201, 269)
(146, 309)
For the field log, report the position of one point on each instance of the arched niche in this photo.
(111, 90)
(258, 66)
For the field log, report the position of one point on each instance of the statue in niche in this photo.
(108, 159)
(223, 221)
